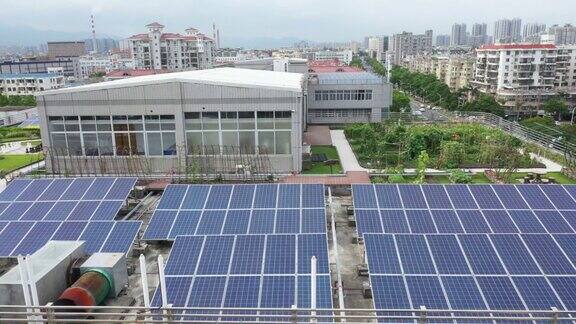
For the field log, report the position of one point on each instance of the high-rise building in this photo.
(479, 35)
(561, 35)
(508, 31)
(532, 32)
(406, 44)
(442, 40)
(158, 50)
(377, 46)
(66, 49)
(458, 37)
(103, 45)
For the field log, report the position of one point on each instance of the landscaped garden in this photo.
(325, 153)
(12, 162)
(15, 134)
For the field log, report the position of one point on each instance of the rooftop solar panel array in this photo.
(500, 247)
(32, 212)
(238, 209)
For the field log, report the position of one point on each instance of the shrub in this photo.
(459, 176)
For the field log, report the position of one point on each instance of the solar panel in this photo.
(412, 196)
(463, 293)
(238, 209)
(537, 293)
(500, 293)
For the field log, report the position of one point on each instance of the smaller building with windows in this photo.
(168, 119)
(347, 97)
(29, 83)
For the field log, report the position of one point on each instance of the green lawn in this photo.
(480, 178)
(320, 167)
(32, 142)
(558, 176)
(11, 162)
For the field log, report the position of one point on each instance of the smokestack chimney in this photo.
(94, 42)
(217, 38)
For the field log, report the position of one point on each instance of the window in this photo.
(283, 119)
(247, 142)
(230, 139)
(192, 121)
(229, 120)
(246, 120)
(169, 143)
(266, 142)
(265, 119)
(74, 144)
(210, 121)
(90, 144)
(283, 142)
(194, 142)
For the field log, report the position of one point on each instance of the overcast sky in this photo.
(316, 20)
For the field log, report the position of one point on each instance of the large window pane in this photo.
(192, 121)
(137, 146)
(154, 144)
(71, 123)
(283, 119)
(169, 143)
(194, 142)
(210, 120)
(90, 144)
(265, 119)
(135, 123)
(106, 146)
(122, 143)
(247, 142)
(120, 123)
(246, 120)
(56, 123)
(103, 123)
(211, 142)
(283, 142)
(59, 144)
(152, 123)
(88, 123)
(167, 122)
(229, 120)
(74, 144)
(230, 139)
(266, 142)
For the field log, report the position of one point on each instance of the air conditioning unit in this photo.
(362, 270)
(366, 290)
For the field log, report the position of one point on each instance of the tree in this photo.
(423, 160)
(356, 62)
(556, 106)
(485, 103)
(400, 101)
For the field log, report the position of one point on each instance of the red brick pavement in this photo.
(317, 135)
(342, 180)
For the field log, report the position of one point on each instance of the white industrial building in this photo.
(29, 83)
(165, 118)
(342, 56)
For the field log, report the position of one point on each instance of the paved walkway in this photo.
(345, 154)
(317, 135)
(351, 177)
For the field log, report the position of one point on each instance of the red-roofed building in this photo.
(172, 51)
(330, 66)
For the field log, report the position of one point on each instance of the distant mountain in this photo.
(23, 35)
(259, 42)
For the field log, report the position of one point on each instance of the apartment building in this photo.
(377, 47)
(479, 35)
(407, 44)
(508, 31)
(442, 41)
(29, 83)
(93, 64)
(532, 32)
(66, 49)
(176, 52)
(560, 35)
(524, 75)
(342, 56)
(459, 36)
(455, 71)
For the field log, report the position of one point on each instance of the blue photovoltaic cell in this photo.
(195, 197)
(527, 221)
(248, 254)
(84, 210)
(280, 254)
(514, 255)
(446, 221)
(420, 221)
(288, 221)
(323, 292)
(242, 196)
(499, 221)
(107, 210)
(184, 255)
(436, 196)
(2, 225)
(122, 236)
(412, 196)
(186, 223)
(510, 197)
(177, 289)
(388, 196)
(12, 235)
(99, 189)
(461, 197)
(289, 196)
(207, 292)
(368, 221)
(15, 211)
(571, 190)
(77, 189)
(211, 222)
(500, 293)
(426, 291)
(416, 258)
(568, 244)
(14, 189)
(381, 254)
(216, 255)
(36, 238)
(447, 254)
(559, 197)
(121, 189)
(313, 245)
(553, 221)
(570, 217)
(69, 231)
(463, 293)
(364, 196)
(56, 189)
(95, 234)
(37, 211)
(160, 225)
(172, 197)
(32, 192)
(394, 221)
(262, 222)
(242, 292)
(265, 196)
(535, 197)
(565, 287)
(236, 222)
(278, 292)
(485, 197)
(548, 254)
(313, 221)
(313, 196)
(473, 221)
(536, 293)
(219, 197)
(481, 255)
(389, 292)
(3, 206)
(61, 210)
